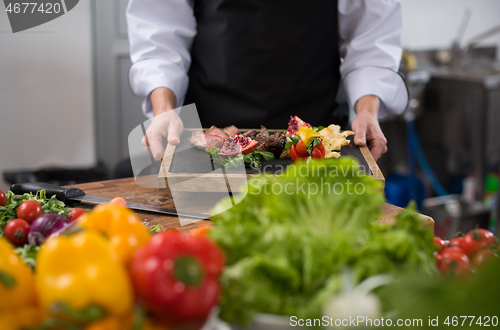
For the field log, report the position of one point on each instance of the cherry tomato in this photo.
(3, 199)
(476, 240)
(455, 260)
(439, 243)
(16, 231)
(456, 242)
(293, 153)
(483, 257)
(120, 201)
(321, 148)
(316, 154)
(29, 211)
(76, 213)
(301, 149)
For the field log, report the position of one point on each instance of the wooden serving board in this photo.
(189, 168)
(135, 191)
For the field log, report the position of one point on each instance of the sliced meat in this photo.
(217, 131)
(197, 139)
(214, 141)
(273, 143)
(262, 135)
(251, 133)
(231, 131)
(205, 141)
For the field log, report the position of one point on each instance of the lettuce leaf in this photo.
(287, 240)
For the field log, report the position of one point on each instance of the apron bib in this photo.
(259, 61)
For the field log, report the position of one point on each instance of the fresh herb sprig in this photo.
(28, 253)
(252, 160)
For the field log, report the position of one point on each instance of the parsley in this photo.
(252, 159)
(156, 229)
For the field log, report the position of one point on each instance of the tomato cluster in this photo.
(299, 151)
(463, 255)
(17, 230)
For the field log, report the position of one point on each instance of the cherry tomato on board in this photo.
(439, 243)
(476, 240)
(301, 149)
(76, 213)
(16, 231)
(316, 154)
(293, 153)
(29, 211)
(3, 199)
(321, 148)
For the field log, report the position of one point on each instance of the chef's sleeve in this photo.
(160, 34)
(370, 45)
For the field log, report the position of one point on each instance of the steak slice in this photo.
(262, 135)
(231, 131)
(205, 141)
(214, 141)
(197, 139)
(218, 132)
(273, 143)
(251, 134)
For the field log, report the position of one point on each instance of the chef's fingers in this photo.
(378, 145)
(174, 132)
(155, 143)
(359, 129)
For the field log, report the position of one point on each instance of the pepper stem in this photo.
(188, 270)
(53, 323)
(139, 315)
(90, 314)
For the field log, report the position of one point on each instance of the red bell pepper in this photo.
(176, 276)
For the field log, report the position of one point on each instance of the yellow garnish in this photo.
(307, 134)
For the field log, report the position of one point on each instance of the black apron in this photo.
(260, 61)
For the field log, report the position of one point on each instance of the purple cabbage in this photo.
(45, 225)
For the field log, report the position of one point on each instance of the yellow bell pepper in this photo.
(18, 303)
(307, 134)
(79, 280)
(125, 230)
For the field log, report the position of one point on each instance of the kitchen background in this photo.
(65, 102)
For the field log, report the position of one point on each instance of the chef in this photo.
(253, 62)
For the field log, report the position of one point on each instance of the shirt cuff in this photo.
(384, 83)
(149, 74)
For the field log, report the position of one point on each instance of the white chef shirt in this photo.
(161, 34)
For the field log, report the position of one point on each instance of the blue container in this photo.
(398, 190)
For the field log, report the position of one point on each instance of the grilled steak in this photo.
(231, 131)
(217, 131)
(205, 141)
(272, 143)
(251, 133)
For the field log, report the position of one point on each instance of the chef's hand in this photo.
(165, 123)
(366, 126)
